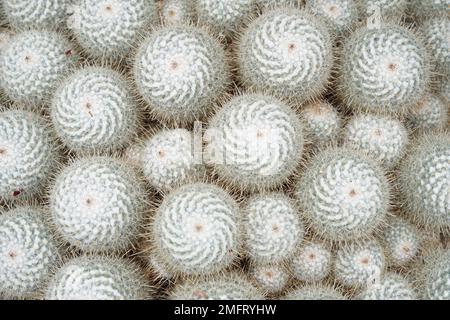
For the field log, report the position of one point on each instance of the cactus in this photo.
(196, 230)
(93, 111)
(286, 52)
(359, 263)
(272, 227)
(108, 29)
(424, 180)
(444, 89)
(97, 204)
(98, 278)
(271, 278)
(425, 9)
(343, 194)
(270, 4)
(28, 153)
(177, 11)
(255, 142)
(382, 138)
(340, 15)
(383, 69)
(181, 72)
(312, 263)
(28, 252)
(431, 113)
(315, 292)
(168, 159)
(391, 287)
(389, 9)
(436, 276)
(32, 64)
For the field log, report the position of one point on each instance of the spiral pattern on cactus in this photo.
(271, 278)
(435, 32)
(341, 15)
(391, 287)
(436, 276)
(431, 113)
(312, 263)
(177, 11)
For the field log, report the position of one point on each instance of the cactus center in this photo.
(275, 228)
(12, 254)
(2, 152)
(88, 106)
(89, 202)
(171, 13)
(352, 193)
(333, 11)
(406, 249)
(200, 294)
(269, 274)
(161, 153)
(365, 261)
(198, 228)
(312, 256)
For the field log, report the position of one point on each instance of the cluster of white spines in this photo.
(28, 155)
(382, 138)
(435, 32)
(108, 29)
(392, 286)
(98, 278)
(430, 113)
(181, 72)
(168, 159)
(28, 252)
(271, 278)
(255, 142)
(98, 204)
(341, 15)
(425, 9)
(32, 64)
(93, 110)
(196, 229)
(315, 292)
(312, 263)
(343, 194)
(272, 227)
(286, 52)
(436, 276)
(177, 11)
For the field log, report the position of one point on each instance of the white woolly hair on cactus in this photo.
(434, 278)
(312, 262)
(401, 241)
(98, 204)
(424, 180)
(315, 292)
(108, 30)
(181, 72)
(196, 230)
(255, 142)
(178, 12)
(382, 138)
(28, 252)
(91, 277)
(383, 69)
(229, 286)
(392, 286)
(93, 111)
(286, 52)
(272, 228)
(431, 113)
(359, 263)
(25, 14)
(28, 154)
(32, 65)
(425, 9)
(272, 278)
(343, 194)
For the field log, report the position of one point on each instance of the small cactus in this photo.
(391, 287)
(431, 113)
(271, 278)
(312, 263)
(436, 276)
(177, 11)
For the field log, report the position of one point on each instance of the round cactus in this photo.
(196, 230)
(424, 180)
(286, 52)
(254, 142)
(24, 14)
(272, 228)
(435, 32)
(382, 138)
(340, 15)
(32, 64)
(391, 287)
(312, 263)
(28, 252)
(227, 287)
(28, 155)
(97, 204)
(343, 194)
(388, 9)
(168, 159)
(98, 278)
(436, 276)
(177, 11)
(108, 29)
(430, 113)
(401, 241)
(384, 69)
(322, 123)
(181, 71)
(93, 111)
(359, 263)
(271, 278)
(315, 292)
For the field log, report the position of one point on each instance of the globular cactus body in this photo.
(436, 276)
(177, 11)
(436, 34)
(431, 113)
(271, 278)
(312, 263)
(392, 286)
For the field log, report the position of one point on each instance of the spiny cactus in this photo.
(93, 110)
(315, 292)
(28, 252)
(430, 113)
(312, 263)
(272, 227)
(382, 138)
(383, 69)
(98, 204)
(426, 9)
(270, 4)
(436, 276)
(271, 278)
(444, 89)
(108, 29)
(28, 154)
(424, 180)
(177, 11)
(32, 64)
(286, 52)
(392, 286)
(98, 278)
(168, 159)
(181, 72)
(196, 230)
(343, 194)
(388, 8)
(254, 142)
